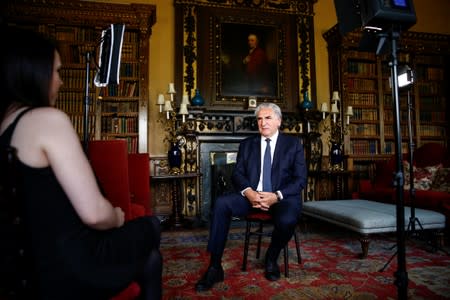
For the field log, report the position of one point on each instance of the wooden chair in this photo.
(262, 218)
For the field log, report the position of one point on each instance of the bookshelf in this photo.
(116, 111)
(363, 79)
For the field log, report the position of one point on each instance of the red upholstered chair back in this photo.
(139, 178)
(109, 160)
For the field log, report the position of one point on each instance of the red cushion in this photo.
(137, 210)
(259, 216)
(131, 292)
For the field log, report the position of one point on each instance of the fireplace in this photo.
(214, 150)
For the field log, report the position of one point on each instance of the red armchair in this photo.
(124, 179)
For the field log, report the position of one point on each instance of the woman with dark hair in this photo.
(80, 246)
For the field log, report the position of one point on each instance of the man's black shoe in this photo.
(212, 276)
(272, 270)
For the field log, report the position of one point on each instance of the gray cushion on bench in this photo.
(365, 217)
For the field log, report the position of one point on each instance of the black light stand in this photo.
(401, 276)
(412, 191)
(87, 102)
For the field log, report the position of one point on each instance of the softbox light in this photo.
(109, 55)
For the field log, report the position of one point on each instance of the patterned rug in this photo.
(331, 268)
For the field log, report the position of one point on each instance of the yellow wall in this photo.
(432, 16)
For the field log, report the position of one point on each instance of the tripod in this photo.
(412, 191)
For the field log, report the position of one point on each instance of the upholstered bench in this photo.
(368, 217)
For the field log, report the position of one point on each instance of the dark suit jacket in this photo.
(288, 165)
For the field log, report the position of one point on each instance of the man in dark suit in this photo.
(270, 174)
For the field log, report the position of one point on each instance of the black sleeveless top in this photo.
(74, 261)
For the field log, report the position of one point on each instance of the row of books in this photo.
(86, 34)
(76, 78)
(361, 68)
(389, 130)
(432, 131)
(361, 55)
(432, 116)
(364, 130)
(430, 73)
(75, 54)
(429, 88)
(72, 102)
(125, 88)
(365, 114)
(129, 69)
(120, 125)
(429, 60)
(70, 33)
(367, 99)
(390, 147)
(361, 84)
(129, 52)
(78, 123)
(387, 100)
(119, 106)
(389, 115)
(432, 102)
(363, 147)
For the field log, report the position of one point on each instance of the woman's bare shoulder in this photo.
(47, 116)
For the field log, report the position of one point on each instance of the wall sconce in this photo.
(170, 123)
(337, 129)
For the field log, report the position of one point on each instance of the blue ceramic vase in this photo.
(197, 100)
(174, 156)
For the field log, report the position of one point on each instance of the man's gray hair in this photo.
(276, 109)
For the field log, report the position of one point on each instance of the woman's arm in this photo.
(45, 136)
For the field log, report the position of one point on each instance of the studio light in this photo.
(405, 76)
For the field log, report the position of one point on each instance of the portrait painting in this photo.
(248, 60)
(242, 58)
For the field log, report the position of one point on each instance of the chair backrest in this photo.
(15, 267)
(109, 160)
(139, 177)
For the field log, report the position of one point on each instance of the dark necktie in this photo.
(267, 169)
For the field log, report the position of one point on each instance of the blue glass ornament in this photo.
(197, 100)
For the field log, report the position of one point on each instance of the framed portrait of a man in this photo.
(248, 61)
(234, 54)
